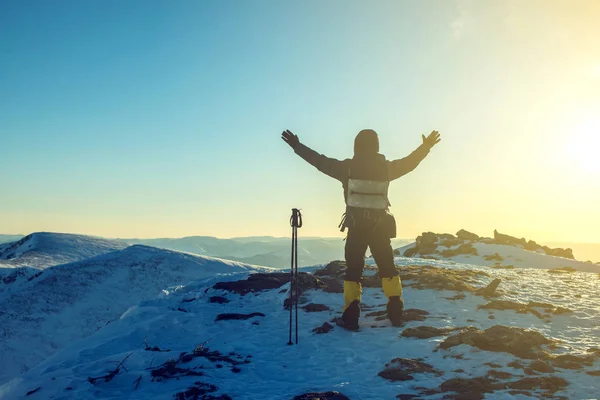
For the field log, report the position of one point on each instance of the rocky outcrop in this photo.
(427, 332)
(312, 307)
(500, 238)
(523, 343)
(237, 317)
(466, 235)
(493, 257)
(402, 369)
(322, 396)
(489, 290)
(260, 282)
(325, 328)
(524, 308)
(429, 277)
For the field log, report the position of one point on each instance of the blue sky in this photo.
(156, 118)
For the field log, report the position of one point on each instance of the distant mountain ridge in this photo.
(260, 250)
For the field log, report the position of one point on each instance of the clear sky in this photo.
(163, 118)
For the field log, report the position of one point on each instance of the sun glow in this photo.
(585, 143)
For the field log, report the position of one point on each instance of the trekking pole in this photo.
(295, 222)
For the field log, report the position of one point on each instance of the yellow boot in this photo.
(392, 288)
(352, 295)
(352, 292)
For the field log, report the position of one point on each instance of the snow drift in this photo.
(67, 302)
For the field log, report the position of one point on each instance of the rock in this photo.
(541, 366)
(463, 249)
(489, 290)
(550, 383)
(459, 296)
(427, 332)
(466, 235)
(568, 361)
(411, 251)
(493, 365)
(322, 396)
(471, 388)
(407, 396)
(427, 238)
(499, 374)
(312, 307)
(500, 238)
(523, 308)
(229, 317)
(516, 364)
(451, 242)
(325, 328)
(493, 257)
(260, 282)
(218, 300)
(430, 277)
(520, 342)
(401, 369)
(593, 373)
(565, 253)
(333, 269)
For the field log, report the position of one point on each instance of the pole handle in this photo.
(296, 219)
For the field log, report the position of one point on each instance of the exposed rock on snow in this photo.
(489, 290)
(430, 277)
(325, 328)
(520, 342)
(466, 235)
(402, 369)
(238, 317)
(260, 282)
(322, 396)
(469, 248)
(524, 308)
(427, 332)
(312, 307)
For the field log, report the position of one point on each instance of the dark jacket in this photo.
(339, 170)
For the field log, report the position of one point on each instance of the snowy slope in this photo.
(68, 302)
(510, 256)
(338, 361)
(45, 249)
(25, 258)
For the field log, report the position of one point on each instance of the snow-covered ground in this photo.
(45, 249)
(341, 361)
(510, 256)
(23, 259)
(68, 302)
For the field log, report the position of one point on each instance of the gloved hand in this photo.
(432, 139)
(290, 138)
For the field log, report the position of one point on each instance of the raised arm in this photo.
(329, 166)
(403, 166)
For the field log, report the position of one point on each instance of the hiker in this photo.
(365, 179)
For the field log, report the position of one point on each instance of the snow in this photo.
(44, 249)
(512, 255)
(340, 360)
(68, 302)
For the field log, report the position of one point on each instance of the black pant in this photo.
(367, 233)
